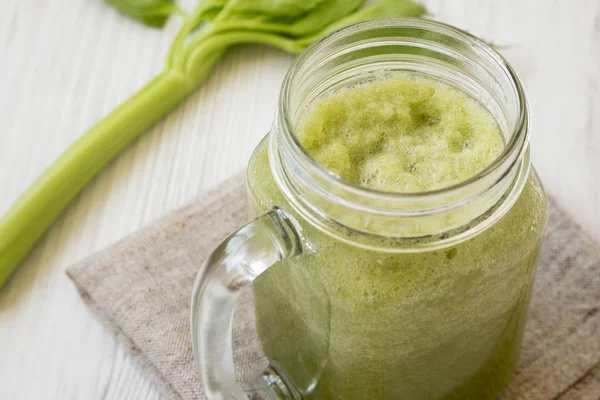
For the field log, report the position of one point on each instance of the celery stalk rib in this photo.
(36, 210)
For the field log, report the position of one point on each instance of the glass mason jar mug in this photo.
(361, 294)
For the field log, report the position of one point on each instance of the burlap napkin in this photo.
(142, 286)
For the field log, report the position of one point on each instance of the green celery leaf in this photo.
(331, 12)
(380, 9)
(281, 10)
(151, 12)
(296, 20)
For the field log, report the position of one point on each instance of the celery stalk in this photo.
(204, 37)
(43, 202)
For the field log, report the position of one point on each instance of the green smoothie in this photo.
(401, 134)
(344, 322)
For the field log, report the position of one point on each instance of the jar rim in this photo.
(410, 221)
(511, 153)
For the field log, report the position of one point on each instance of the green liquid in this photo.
(401, 134)
(349, 323)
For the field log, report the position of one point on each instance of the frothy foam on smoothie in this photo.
(403, 133)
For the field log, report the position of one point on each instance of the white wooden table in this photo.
(66, 63)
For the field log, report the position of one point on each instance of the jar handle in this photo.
(232, 267)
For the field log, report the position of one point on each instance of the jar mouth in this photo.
(518, 138)
(345, 57)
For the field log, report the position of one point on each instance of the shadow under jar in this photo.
(361, 294)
